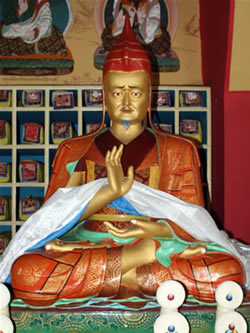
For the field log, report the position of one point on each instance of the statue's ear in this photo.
(150, 97)
(103, 101)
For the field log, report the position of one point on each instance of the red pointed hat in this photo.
(127, 54)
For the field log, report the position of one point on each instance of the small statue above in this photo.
(123, 210)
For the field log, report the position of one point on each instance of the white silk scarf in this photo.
(63, 209)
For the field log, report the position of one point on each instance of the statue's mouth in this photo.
(127, 110)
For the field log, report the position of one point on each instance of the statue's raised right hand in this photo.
(118, 183)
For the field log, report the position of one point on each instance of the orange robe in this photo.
(170, 164)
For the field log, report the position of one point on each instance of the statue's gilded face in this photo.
(127, 95)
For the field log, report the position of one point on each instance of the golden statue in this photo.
(118, 249)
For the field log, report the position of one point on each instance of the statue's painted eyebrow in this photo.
(119, 87)
(131, 87)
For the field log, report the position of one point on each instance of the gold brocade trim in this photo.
(93, 279)
(154, 176)
(103, 217)
(112, 277)
(90, 171)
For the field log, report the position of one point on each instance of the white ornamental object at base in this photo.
(6, 325)
(229, 296)
(171, 295)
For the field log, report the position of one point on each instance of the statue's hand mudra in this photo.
(141, 229)
(119, 185)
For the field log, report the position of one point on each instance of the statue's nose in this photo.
(126, 98)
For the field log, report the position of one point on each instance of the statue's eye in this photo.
(136, 94)
(117, 94)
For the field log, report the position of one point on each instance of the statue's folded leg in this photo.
(200, 275)
(41, 278)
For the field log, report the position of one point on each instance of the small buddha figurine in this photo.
(114, 251)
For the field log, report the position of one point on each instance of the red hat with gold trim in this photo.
(127, 54)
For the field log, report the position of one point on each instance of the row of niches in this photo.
(58, 99)
(30, 125)
(26, 204)
(30, 165)
(68, 99)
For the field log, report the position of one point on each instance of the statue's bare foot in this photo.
(59, 246)
(193, 251)
(55, 245)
